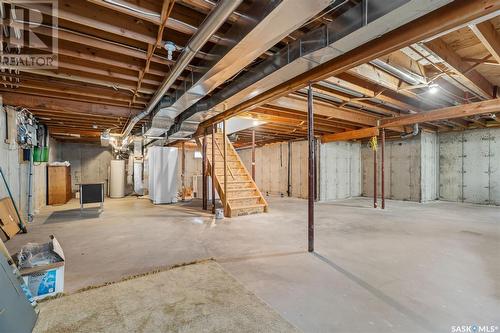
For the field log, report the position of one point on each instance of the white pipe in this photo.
(211, 24)
(416, 131)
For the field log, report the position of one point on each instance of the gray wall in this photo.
(16, 170)
(339, 165)
(470, 166)
(89, 162)
(402, 169)
(271, 168)
(429, 166)
(340, 170)
(193, 168)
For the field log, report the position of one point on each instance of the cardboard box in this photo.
(48, 279)
(9, 222)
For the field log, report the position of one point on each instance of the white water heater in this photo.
(117, 181)
(163, 169)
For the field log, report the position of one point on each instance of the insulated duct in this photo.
(416, 131)
(267, 22)
(354, 27)
(211, 24)
(400, 73)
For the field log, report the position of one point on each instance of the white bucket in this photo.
(219, 213)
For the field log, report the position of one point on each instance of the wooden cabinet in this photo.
(58, 185)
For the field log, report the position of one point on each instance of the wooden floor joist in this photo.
(351, 135)
(441, 20)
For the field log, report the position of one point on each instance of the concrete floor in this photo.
(412, 268)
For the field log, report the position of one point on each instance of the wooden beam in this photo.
(171, 23)
(90, 41)
(90, 80)
(298, 115)
(489, 37)
(481, 61)
(167, 7)
(73, 11)
(105, 73)
(351, 135)
(460, 111)
(68, 96)
(95, 94)
(39, 102)
(474, 80)
(391, 82)
(438, 21)
(346, 99)
(300, 104)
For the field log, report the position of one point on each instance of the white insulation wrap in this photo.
(163, 170)
(117, 186)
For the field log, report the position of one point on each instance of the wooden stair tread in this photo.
(243, 198)
(249, 206)
(236, 181)
(241, 189)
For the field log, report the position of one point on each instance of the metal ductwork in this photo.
(415, 132)
(400, 73)
(356, 26)
(211, 24)
(267, 22)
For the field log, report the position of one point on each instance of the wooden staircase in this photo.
(243, 196)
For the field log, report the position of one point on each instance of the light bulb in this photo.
(433, 88)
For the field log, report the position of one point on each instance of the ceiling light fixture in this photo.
(433, 88)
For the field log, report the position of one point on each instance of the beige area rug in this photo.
(195, 298)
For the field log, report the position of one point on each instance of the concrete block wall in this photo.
(340, 170)
(470, 166)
